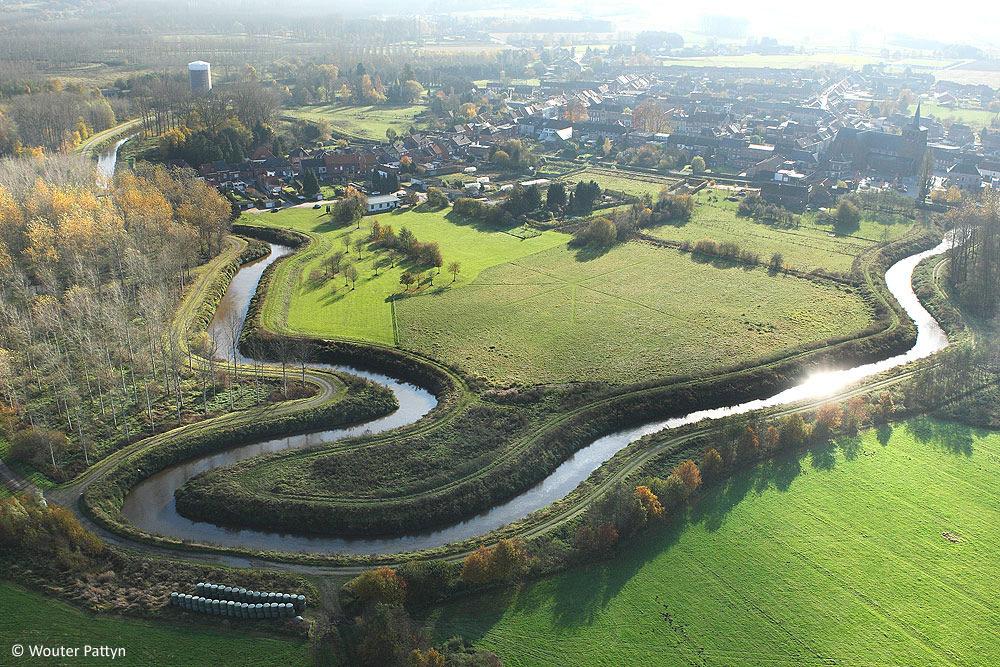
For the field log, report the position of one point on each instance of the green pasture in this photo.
(810, 246)
(633, 313)
(877, 550)
(331, 308)
(976, 118)
(32, 619)
(362, 122)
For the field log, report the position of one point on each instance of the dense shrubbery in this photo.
(754, 206)
(724, 249)
(844, 217)
(385, 635)
(672, 207)
(478, 210)
(598, 233)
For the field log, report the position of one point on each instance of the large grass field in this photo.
(628, 182)
(367, 122)
(810, 246)
(534, 310)
(634, 313)
(32, 619)
(881, 550)
(976, 118)
(366, 312)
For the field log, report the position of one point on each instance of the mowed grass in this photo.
(633, 313)
(976, 118)
(29, 618)
(629, 183)
(332, 309)
(841, 556)
(364, 122)
(808, 247)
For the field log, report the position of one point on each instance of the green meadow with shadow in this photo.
(878, 550)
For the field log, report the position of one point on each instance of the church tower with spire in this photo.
(914, 141)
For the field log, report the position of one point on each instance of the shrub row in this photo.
(104, 498)
(286, 237)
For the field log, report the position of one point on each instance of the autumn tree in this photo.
(794, 432)
(649, 116)
(650, 504)
(689, 475)
(351, 206)
(381, 585)
(828, 419)
(712, 465)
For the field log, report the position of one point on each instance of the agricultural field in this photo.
(633, 313)
(876, 550)
(366, 312)
(976, 118)
(30, 618)
(802, 61)
(628, 182)
(810, 246)
(368, 122)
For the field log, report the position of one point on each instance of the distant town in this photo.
(798, 138)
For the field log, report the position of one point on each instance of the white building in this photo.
(382, 203)
(200, 74)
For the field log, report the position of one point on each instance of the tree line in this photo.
(974, 269)
(91, 279)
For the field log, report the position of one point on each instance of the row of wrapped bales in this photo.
(220, 592)
(232, 609)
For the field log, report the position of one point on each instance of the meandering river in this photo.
(150, 505)
(107, 160)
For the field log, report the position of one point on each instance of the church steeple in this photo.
(916, 117)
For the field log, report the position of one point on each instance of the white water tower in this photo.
(200, 73)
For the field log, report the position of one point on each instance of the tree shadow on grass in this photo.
(953, 437)
(850, 446)
(578, 595)
(589, 253)
(719, 262)
(477, 224)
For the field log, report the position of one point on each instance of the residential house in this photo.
(382, 203)
(966, 176)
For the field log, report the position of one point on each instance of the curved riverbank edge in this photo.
(340, 399)
(542, 452)
(887, 255)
